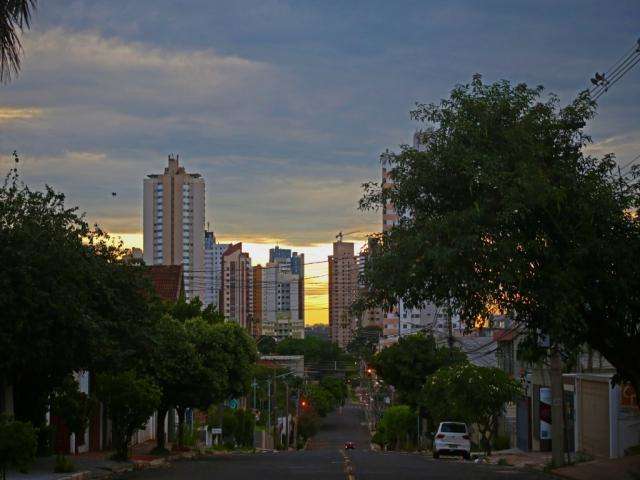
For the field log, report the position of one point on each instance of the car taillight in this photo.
(440, 435)
(466, 437)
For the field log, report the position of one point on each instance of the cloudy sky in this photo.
(284, 107)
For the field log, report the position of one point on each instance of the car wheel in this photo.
(436, 454)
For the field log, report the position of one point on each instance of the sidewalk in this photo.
(626, 468)
(520, 459)
(96, 465)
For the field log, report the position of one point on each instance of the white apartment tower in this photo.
(281, 317)
(213, 253)
(173, 211)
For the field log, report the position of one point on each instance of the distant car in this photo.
(452, 438)
(349, 446)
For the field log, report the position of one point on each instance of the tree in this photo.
(320, 355)
(470, 394)
(308, 424)
(15, 17)
(336, 387)
(130, 400)
(69, 302)
(365, 342)
(407, 363)
(266, 344)
(72, 406)
(321, 399)
(397, 427)
(18, 443)
(502, 210)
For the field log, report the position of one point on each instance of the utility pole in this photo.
(557, 413)
(286, 416)
(269, 405)
(275, 410)
(295, 425)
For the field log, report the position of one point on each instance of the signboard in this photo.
(215, 431)
(545, 413)
(233, 404)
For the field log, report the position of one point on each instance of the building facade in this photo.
(237, 286)
(343, 290)
(173, 223)
(281, 304)
(213, 253)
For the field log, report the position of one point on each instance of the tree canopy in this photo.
(502, 210)
(470, 394)
(407, 363)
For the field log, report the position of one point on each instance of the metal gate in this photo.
(523, 424)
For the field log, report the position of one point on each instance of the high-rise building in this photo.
(343, 290)
(237, 286)
(371, 316)
(282, 294)
(213, 253)
(257, 301)
(173, 211)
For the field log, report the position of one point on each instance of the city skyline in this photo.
(284, 108)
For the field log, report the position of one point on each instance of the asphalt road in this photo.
(327, 459)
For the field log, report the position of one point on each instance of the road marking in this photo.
(348, 466)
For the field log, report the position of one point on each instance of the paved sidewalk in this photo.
(520, 459)
(626, 468)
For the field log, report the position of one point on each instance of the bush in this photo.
(501, 442)
(503, 462)
(18, 443)
(63, 465)
(378, 439)
(308, 424)
(398, 427)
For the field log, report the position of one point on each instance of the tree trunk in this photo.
(181, 412)
(160, 430)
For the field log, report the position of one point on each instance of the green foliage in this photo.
(211, 315)
(130, 401)
(315, 350)
(72, 406)
(267, 344)
(321, 399)
(501, 207)
(470, 394)
(18, 443)
(379, 438)
(184, 310)
(308, 424)
(398, 427)
(365, 342)
(68, 299)
(63, 465)
(246, 422)
(407, 364)
(503, 462)
(337, 387)
(237, 426)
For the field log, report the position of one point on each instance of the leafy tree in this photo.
(397, 427)
(18, 443)
(501, 209)
(130, 400)
(266, 344)
(365, 342)
(470, 394)
(73, 406)
(212, 315)
(15, 17)
(308, 423)
(246, 422)
(321, 399)
(183, 310)
(337, 387)
(407, 363)
(69, 302)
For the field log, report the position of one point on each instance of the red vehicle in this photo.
(349, 446)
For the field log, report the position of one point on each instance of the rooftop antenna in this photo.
(339, 236)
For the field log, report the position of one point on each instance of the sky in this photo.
(283, 107)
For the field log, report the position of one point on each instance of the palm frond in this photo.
(15, 17)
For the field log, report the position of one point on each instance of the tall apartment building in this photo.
(343, 290)
(213, 253)
(296, 260)
(237, 286)
(371, 316)
(173, 211)
(257, 301)
(279, 302)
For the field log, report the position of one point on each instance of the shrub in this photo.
(63, 465)
(378, 438)
(503, 462)
(18, 443)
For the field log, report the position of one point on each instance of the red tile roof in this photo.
(166, 280)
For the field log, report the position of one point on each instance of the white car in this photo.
(452, 438)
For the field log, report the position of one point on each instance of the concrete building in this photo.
(257, 301)
(280, 296)
(237, 286)
(372, 316)
(213, 253)
(173, 212)
(343, 290)
(285, 255)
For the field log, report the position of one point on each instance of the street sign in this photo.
(233, 404)
(216, 431)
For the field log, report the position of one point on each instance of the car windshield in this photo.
(453, 428)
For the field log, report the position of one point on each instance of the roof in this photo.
(232, 248)
(166, 280)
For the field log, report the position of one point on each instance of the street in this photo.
(327, 459)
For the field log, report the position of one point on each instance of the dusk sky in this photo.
(283, 107)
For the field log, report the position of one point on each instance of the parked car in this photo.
(452, 438)
(349, 446)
